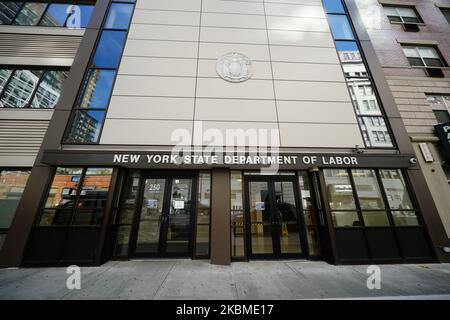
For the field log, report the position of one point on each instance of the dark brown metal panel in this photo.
(13, 249)
(220, 217)
(22, 224)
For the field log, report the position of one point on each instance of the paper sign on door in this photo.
(260, 206)
(152, 204)
(178, 204)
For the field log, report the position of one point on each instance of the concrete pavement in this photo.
(198, 279)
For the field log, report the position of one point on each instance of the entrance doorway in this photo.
(164, 226)
(275, 227)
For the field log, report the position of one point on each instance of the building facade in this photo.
(211, 129)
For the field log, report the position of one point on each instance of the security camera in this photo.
(413, 160)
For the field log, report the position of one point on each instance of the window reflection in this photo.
(85, 126)
(119, 16)
(49, 90)
(56, 15)
(203, 214)
(395, 188)
(340, 27)
(4, 76)
(12, 184)
(368, 190)
(8, 10)
(67, 203)
(30, 14)
(20, 88)
(339, 188)
(109, 49)
(375, 132)
(97, 88)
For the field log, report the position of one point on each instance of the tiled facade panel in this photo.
(168, 72)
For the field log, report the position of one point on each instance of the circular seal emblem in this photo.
(234, 67)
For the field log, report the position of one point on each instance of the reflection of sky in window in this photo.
(119, 16)
(86, 12)
(340, 27)
(109, 49)
(346, 46)
(333, 6)
(100, 82)
(56, 15)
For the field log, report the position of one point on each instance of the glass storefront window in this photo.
(395, 188)
(375, 219)
(339, 189)
(67, 203)
(368, 190)
(203, 214)
(405, 218)
(237, 216)
(12, 184)
(345, 219)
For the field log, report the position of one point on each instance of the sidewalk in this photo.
(195, 279)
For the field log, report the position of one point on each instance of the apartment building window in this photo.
(359, 81)
(46, 13)
(423, 56)
(89, 112)
(440, 104)
(446, 13)
(402, 14)
(26, 88)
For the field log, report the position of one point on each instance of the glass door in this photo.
(272, 216)
(165, 222)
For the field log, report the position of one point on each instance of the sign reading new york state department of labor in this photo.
(300, 161)
(443, 132)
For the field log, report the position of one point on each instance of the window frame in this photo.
(446, 104)
(399, 15)
(416, 48)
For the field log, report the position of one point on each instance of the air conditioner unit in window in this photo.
(434, 72)
(411, 27)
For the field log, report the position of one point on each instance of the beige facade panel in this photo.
(300, 38)
(297, 24)
(218, 88)
(232, 35)
(294, 10)
(303, 2)
(305, 71)
(154, 86)
(233, 20)
(145, 132)
(191, 5)
(321, 135)
(123, 107)
(166, 17)
(232, 6)
(235, 110)
(157, 48)
(158, 66)
(216, 50)
(316, 112)
(215, 133)
(316, 91)
(159, 32)
(304, 54)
